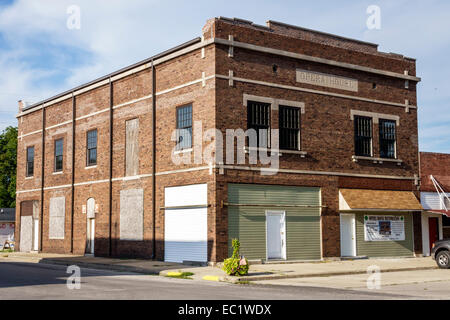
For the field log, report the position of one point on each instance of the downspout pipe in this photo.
(153, 160)
(73, 173)
(110, 162)
(41, 220)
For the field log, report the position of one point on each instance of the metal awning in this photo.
(378, 200)
(444, 212)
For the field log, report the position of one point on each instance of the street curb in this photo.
(101, 266)
(328, 274)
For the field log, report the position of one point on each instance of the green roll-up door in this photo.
(385, 248)
(248, 223)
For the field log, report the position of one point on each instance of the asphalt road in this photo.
(37, 281)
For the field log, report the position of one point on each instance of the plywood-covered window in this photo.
(132, 147)
(57, 217)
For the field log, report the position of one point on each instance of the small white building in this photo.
(7, 225)
(435, 198)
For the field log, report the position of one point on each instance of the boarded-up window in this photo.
(57, 217)
(132, 148)
(132, 214)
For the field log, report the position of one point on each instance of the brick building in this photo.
(123, 172)
(436, 216)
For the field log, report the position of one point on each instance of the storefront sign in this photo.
(327, 80)
(384, 228)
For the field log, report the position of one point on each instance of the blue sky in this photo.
(40, 56)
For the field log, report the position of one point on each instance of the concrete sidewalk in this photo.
(257, 272)
(272, 271)
(123, 265)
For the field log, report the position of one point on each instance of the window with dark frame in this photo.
(59, 150)
(184, 127)
(30, 162)
(363, 136)
(91, 147)
(289, 124)
(258, 118)
(445, 221)
(387, 138)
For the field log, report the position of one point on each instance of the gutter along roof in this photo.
(148, 60)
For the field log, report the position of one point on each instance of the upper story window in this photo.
(91, 147)
(387, 138)
(59, 155)
(289, 123)
(363, 136)
(30, 162)
(258, 118)
(184, 127)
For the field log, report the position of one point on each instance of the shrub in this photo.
(236, 265)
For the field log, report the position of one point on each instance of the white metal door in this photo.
(348, 235)
(186, 224)
(276, 235)
(35, 234)
(90, 239)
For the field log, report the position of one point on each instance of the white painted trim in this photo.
(376, 116)
(29, 133)
(338, 95)
(299, 56)
(376, 160)
(90, 167)
(274, 102)
(58, 125)
(327, 173)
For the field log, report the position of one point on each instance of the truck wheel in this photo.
(443, 260)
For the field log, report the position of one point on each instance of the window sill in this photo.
(278, 151)
(182, 151)
(58, 172)
(376, 160)
(29, 178)
(90, 167)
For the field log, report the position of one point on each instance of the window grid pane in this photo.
(59, 155)
(184, 127)
(258, 118)
(363, 136)
(289, 123)
(92, 147)
(30, 162)
(387, 139)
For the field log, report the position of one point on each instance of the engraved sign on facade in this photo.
(327, 80)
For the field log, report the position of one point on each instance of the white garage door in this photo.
(186, 227)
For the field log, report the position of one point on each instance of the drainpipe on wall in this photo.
(73, 173)
(153, 160)
(41, 220)
(110, 162)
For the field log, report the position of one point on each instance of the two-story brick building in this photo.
(123, 165)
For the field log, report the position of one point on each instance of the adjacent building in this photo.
(434, 196)
(7, 225)
(139, 162)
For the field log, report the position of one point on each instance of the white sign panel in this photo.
(384, 228)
